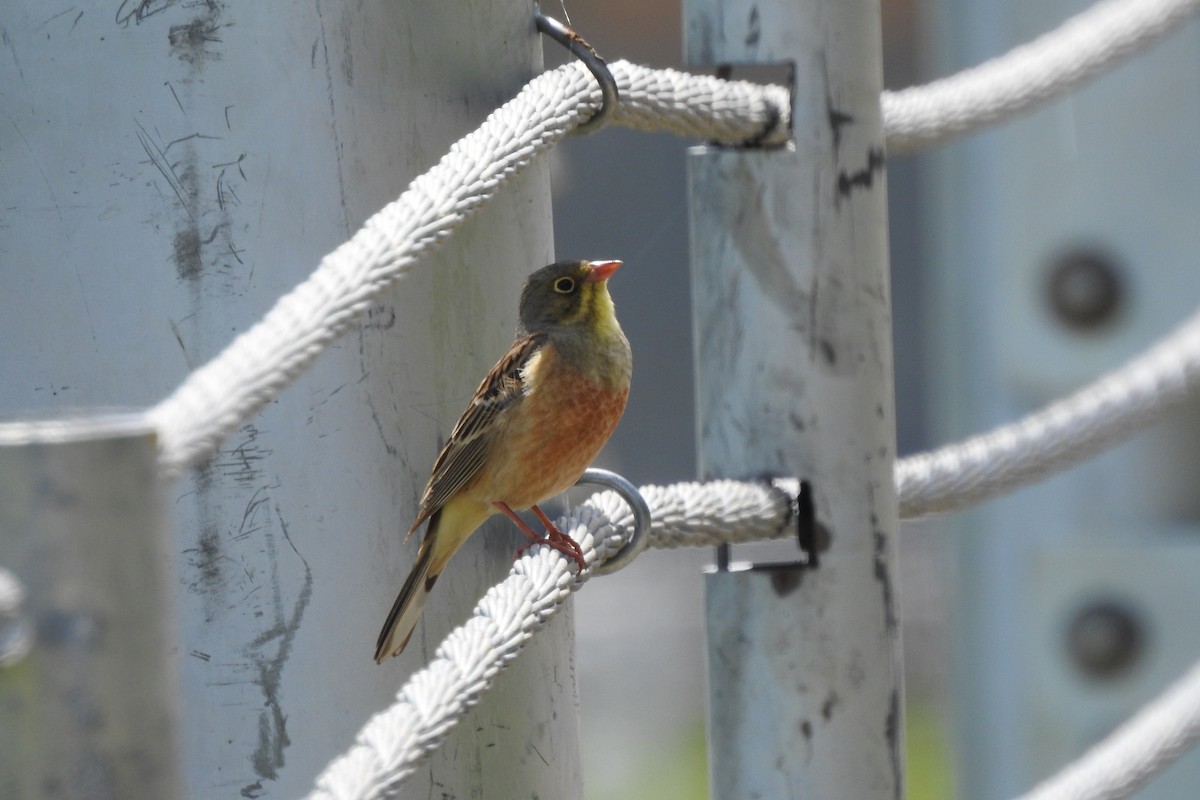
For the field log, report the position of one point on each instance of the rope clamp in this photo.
(640, 538)
(580, 48)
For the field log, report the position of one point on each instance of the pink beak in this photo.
(600, 271)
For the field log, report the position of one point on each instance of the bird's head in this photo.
(569, 296)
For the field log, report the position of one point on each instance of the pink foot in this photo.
(554, 538)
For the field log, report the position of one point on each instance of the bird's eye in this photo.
(564, 285)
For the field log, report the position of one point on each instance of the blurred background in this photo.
(622, 194)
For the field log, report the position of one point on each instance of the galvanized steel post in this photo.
(169, 170)
(1058, 247)
(794, 362)
(89, 701)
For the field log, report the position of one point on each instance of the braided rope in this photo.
(1143, 746)
(393, 742)
(1089, 44)
(1064, 433)
(219, 396)
(215, 399)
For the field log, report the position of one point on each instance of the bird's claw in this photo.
(557, 540)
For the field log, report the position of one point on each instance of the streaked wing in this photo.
(468, 447)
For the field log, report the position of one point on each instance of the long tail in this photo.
(406, 611)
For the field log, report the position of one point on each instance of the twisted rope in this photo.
(1085, 46)
(393, 742)
(1130, 756)
(1064, 433)
(215, 399)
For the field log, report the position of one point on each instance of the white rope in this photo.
(1060, 435)
(1130, 756)
(214, 400)
(219, 396)
(1083, 47)
(393, 742)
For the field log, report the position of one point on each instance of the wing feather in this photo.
(469, 443)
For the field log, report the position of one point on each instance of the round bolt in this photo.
(1085, 290)
(1105, 639)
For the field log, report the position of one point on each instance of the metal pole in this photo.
(1059, 245)
(793, 354)
(88, 708)
(169, 170)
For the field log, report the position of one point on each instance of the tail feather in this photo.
(406, 611)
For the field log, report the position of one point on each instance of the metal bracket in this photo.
(639, 539)
(580, 48)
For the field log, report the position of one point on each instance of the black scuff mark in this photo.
(187, 245)
(333, 118)
(244, 461)
(891, 729)
(12, 49)
(828, 352)
(252, 519)
(848, 182)
(208, 556)
(380, 317)
(158, 157)
(192, 41)
(174, 94)
(207, 214)
(754, 29)
(211, 569)
(186, 253)
(54, 17)
(36, 162)
(836, 118)
(884, 576)
(268, 757)
(388, 447)
(829, 705)
(347, 55)
(136, 11)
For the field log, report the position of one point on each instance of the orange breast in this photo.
(560, 428)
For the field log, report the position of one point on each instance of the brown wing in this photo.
(469, 443)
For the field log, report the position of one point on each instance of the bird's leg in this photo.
(559, 540)
(556, 539)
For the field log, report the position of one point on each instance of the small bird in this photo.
(534, 425)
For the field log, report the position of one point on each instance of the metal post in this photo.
(1059, 245)
(168, 170)
(793, 354)
(88, 708)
